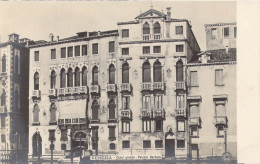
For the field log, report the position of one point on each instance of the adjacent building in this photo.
(14, 76)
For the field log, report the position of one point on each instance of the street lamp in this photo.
(52, 138)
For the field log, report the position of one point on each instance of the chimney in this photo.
(227, 48)
(168, 18)
(58, 38)
(51, 37)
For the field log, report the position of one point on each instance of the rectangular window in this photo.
(180, 101)
(146, 125)
(220, 131)
(146, 50)
(125, 144)
(193, 79)
(36, 55)
(219, 77)
(125, 51)
(126, 102)
(158, 125)
(70, 51)
(64, 136)
(158, 144)
(180, 144)
(158, 103)
(213, 33)
(95, 48)
(179, 48)
(125, 33)
(146, 144)
(194, 130)
(53, 53)
(180, 125)
(146, 102)
(84, 50)
(112, 135)
(179, 30)
(125, 126)
(235, 32)
(226, 32)
(77, 50)
(2, 121)
(112, 46)
(156, 49)
(63, 52)
(220, 108)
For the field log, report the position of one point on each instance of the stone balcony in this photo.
(180, 112)
(126, 87)
(72, 90)
(146, 113)
(71, 121)
(126, 114)
(157, 36)
(149, 86)
(194, 121)
(94, 89)
(36, 93)
(158, 86)
(52, 92)
(3, 109)
(152, 36)
(221, 120)
(111, 88)
(180, 85)
(159, 113)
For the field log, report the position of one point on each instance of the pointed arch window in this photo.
(157, 28)
(112, 107)
(84, 76)
(125, 73)
(3, 98)
(146, 28)
(95, 108)
(95, 75)
(4, 63)
(62, 78)
(157, 71)
(37, 144)
(111, 74)
(16, 64)
(36, 81)
(179, 71)
(16, 98)
(3, 138)
(53, 113)
(146, 72)
(77, 77)
(53, 79)
(36, 111)
(70, 78)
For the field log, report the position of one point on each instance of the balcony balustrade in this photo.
(146, 113)
(61, 91)
(52, 92)
(157, 36)
(146, 36)
(126, 87)
(36, 93)
(94, 88)
(180, 85)
(180, 112)
(194, 121)
(71, 121)
(126, 114)
(111, 87)
(158, 113)
(221, 120)
(71, 90)
(158, 86)
(147, 86)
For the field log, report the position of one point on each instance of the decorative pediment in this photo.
(151, 14)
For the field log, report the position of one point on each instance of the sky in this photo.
(36, 20)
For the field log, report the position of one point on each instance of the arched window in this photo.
(146, 28)
(16, 64)
(77, 77)
(112, 107)
(125, 73)
(179, 71)
(53, 113)
(95, 75)
(70, 78)
(146, 72)
(84, 76)
(36, 112)
(62, 78)
(36, 81)
(4, 63)
(95, 108)
(157, 72)
(3, 98)
(3, 138)
(111, 74)
(53, 79)
(37, 144)
(16, 98)
(156, 28)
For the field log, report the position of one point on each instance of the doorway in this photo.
(195, 151)
(169, 148)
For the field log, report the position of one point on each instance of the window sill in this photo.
(126, 132)
(220, 85)
(111, 138)
(159, 148)
(194, 86)
(53, 123)
(147, 148)
(126, 148)
(194, 136)
(35, 123)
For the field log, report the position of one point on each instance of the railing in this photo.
(111, 87)
(194, 121)
(146, 36)
(52, 92)
(126, 114)
(147, 86)
(146, 113)
(61, 91)
(94, 88)
(71, 121)
(159, 113)
(3, 109)
(180, 112)
(36, 93)
(126, 87)
(157, 36)
(83, 89)
(221, 120)
(71, 90)
(180, 85)
(158, 86)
